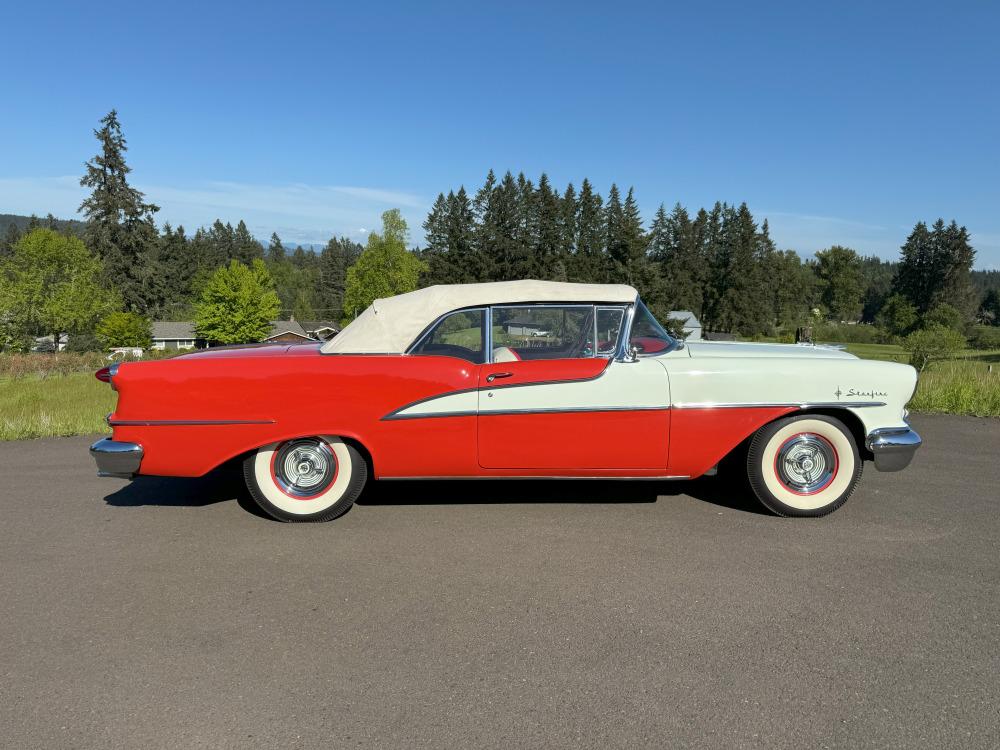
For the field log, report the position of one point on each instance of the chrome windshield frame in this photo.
(624, 354)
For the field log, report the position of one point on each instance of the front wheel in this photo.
(307, 479)
(804, 465)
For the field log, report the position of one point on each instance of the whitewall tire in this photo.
(306, 479)
(806, 465)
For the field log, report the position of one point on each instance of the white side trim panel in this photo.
(702, 383)
(623, 385)
(451, 404)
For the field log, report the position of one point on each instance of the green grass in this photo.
(74, 404)
(963, 385)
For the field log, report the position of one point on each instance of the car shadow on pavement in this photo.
(219, 485)
(226, 483)
(712, 490)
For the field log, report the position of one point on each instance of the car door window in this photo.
(609, 328)
(458, 334)
(543, 332)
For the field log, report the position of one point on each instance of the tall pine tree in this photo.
(120, 226)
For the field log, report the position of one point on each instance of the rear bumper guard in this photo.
(893, 447)
(116, 458)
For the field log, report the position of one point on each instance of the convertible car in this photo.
(510, 380)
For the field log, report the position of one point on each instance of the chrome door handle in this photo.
(493, 376)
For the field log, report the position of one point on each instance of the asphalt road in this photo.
(523, 614)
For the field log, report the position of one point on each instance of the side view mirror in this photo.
(631, 355)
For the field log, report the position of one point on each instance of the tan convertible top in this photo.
(390, 325)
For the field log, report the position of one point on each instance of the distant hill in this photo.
(72, 226)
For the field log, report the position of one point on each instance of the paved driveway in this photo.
(519, 614)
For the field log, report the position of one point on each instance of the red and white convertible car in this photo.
(510, 379)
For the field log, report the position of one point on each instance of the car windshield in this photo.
(648, 336)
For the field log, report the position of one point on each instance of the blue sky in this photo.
(840, 122)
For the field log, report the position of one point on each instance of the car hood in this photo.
(699, 349)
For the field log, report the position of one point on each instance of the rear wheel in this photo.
(804, 465)
(306, 479)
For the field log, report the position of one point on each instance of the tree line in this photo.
(116, 270)
(718, 262)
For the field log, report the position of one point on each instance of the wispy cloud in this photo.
(298, 212)
(807, 233)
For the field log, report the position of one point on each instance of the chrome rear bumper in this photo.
(116, 459)
(893, 447)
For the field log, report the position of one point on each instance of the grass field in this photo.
(963, 385)
(41, 405)
(73, 404)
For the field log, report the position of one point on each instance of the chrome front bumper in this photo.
(893, 447)
(116, 459)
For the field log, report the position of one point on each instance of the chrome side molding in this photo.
(892, 447)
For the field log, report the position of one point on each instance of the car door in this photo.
(553, 398)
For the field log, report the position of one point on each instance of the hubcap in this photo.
(806, 463)
(304, 468)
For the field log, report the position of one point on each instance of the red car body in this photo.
(194, 412)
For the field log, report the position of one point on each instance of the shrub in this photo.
(933, 343)
(897, 316)
(943, 315)
(985, 337)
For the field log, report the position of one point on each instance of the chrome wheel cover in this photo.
(304, 468)
(806, 463)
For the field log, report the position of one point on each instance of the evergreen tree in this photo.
(660, 253)
(742, 301)
(500, 234)
(460, 228)
(300, 258)
(956, 288)
(275, 250)
(615, 241)
(877, 275)
(334, 260)
(567, 232)
(10, 239)
(442, 267)
(716, 252)
(245, 248)
(625, 242)
(120, 225)
(436, 225)
(180, 264)
(547, 243)
(790, 285)
(934, 267)
(841, 285)
(589, 264)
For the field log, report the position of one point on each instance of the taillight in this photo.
(104, 374)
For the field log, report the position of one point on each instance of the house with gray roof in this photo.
(321, 330)
(691, 324)
(289, 331)
(176, 334)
